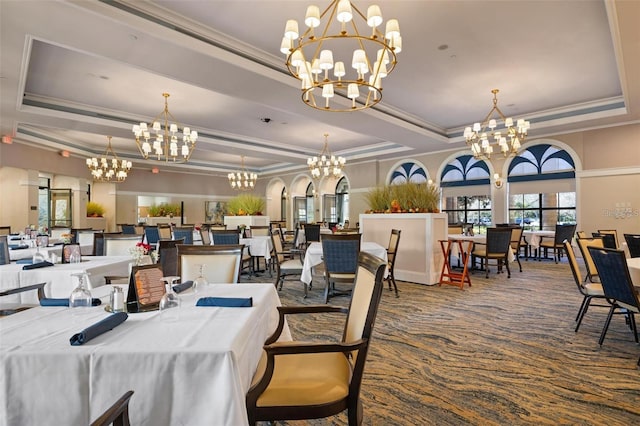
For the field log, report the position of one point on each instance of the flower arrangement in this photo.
(140, 250)
(66, 238)
(404, 198)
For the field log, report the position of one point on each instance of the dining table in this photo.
(476, 239)
(193, 367)
(533, 239)
(25, 252)
(313, 257)
(633, 263)
(58, 277)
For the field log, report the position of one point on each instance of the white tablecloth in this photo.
(302, 238)
(260, 246)
(533, 237)
(193, 371)
(58, 277)
(313, 257)
(634, 270)
(28, 253)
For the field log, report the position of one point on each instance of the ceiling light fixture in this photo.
(310, 56)
(242, 180)
(326, 164)
(107, 169)
(477, 137)
(165, 144)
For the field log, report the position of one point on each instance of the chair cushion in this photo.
(550, 244)
(306, 379)
(593, 289)
(291, 265)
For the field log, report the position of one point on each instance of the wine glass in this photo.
(80, 297)
(169, 300)
(200, 282)
(75, 256)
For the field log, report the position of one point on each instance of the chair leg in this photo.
(519, 264)
(506, 262)
(606, 325)
(583, 310)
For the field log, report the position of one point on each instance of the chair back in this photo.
(98, 244)
(392, 248)
(613, 233)
(75, 233)
(633, 243)
(152, 235)
(168, 256)
(278, 248)
(311, 233)
(217, 227)
(14, 299)
(205, 236)
(615, 278)
(117, 414)
(340, 253)
(581, 234)
(68, 250)
(455, 229)
(57, 232)
(583, 243)
(575, 268)
(608, 240)
(5, 230)
(221, 262)
(5, 259)
(164, 230)
(85, 237)
(260, 231)
(227, 236)
(119, 244)
(563, 232)
(127, 228)
(516, 237)
(185, 232)
(498, 240)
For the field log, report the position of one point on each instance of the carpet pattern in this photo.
(502, 352)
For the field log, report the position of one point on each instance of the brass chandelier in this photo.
(509, 142)
(108, 168)
(362, 61)
(165, 145)
(242, 180)
(326, 164)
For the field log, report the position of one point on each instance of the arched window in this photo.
(542, 188)
(408, 172)
(466, 189)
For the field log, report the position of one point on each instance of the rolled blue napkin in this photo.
(15, 238)
(37, 265)
(227, 302)
(179, 288)
(65, 302)
(109, 323)
(24, 261)
(17, 247)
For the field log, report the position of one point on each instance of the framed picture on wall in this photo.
(214, 211)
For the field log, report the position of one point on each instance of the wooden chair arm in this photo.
(283, 311)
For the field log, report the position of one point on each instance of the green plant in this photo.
(404, 198)
(163, 209)
(94, 209)
(245, 204)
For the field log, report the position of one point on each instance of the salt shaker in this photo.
(117, 299)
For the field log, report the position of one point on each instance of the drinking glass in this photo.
(170, 300)
(200, 282)
(80, 297)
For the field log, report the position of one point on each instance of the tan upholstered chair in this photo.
(589, 291)
(117, 414)
(563, 232)
(319, 379)
(119, 244)
(260, 231)
(221, 262)
(583, 243)
(611, 232)
(164, 231)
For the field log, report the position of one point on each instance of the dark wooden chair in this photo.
(311, 233)
(5, 257)
(5, 230)
(617, 286)
(226, 236)
(117, 414)
(609, 240)
(392, 252)
(497, 248)
(340, 258)
(185, 232)
(168, 256)
(9, 308)
(287, 263)
(583, 243)
(589, 291)
(98, 244)
(319, 379)
(614, 234)
(222, 263)
(68, 250)
(152, 235)
(633, 243)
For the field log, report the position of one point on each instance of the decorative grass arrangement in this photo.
(404, 198)
(164, 209)
(94, 209)
(245, 205)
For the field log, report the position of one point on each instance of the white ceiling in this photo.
(73, 72)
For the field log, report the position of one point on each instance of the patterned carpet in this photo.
(502, 352)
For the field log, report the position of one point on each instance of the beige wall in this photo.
(608, 164)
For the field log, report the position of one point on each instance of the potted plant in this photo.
(404, 198)
(94, 209)
(163, 209)
(246, 205)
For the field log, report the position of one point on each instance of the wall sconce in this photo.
(497, 181)
(155, 170)
(65, 153)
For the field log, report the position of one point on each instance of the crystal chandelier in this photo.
(242, 180)
(107, 169)
(165, 144)
(310, 56)
(326, 164)
(478, 137)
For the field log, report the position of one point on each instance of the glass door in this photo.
(60, 208)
